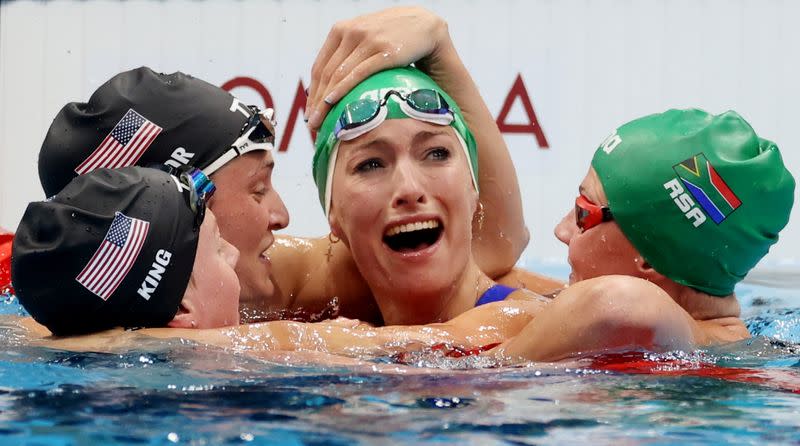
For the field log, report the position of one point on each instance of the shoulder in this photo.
(722, 330)
(538, 283)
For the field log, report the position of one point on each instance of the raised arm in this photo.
(355, 49)
(394, 37)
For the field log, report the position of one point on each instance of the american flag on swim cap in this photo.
(126, 143)
(115, 256)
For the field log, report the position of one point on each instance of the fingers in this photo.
(334, 64)
(337, 90)
(368, 47)
(329, 47)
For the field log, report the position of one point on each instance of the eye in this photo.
(259, 191)
(369, 165)
(438, 153)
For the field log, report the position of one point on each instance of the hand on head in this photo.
(367, 44)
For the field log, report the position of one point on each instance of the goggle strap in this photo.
(221, 161)
(265, 116)
(235, 151)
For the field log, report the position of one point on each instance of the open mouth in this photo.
(412, 237)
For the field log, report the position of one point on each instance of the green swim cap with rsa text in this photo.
(700, 196)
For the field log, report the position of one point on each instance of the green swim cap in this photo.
(404, 80)
(701, 196)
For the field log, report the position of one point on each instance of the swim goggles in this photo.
(363, 115)
(258, 133)
(196, 187)
(589, 215)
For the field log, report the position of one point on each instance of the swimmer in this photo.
(396, 168)
(686, 200)
(133, 247)
(368, 44)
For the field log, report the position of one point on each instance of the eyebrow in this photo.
(381, 141)
(427, 134)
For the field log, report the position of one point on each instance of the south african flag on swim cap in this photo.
(707, 187)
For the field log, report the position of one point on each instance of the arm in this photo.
(487, 324)
(521, 278)
(394, 37)
(605, 313)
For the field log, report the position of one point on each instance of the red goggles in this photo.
(589, 215)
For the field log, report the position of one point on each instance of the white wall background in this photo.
(589, 65)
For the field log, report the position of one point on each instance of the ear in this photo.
(184, 318)
(646, 271)
(333, 222)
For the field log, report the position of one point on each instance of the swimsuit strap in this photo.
(494, 294)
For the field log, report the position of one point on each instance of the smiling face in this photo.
(403, 201)
(248, 209)
(602, 249)
(212, 296)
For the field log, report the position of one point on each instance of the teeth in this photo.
(409, 227)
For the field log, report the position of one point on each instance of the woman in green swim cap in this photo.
(686, 200)
(396, 170)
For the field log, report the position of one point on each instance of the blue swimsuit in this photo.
(495, 294)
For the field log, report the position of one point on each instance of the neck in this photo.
(702, 306)
(401, 304)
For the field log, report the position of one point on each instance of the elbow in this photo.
(506, 255)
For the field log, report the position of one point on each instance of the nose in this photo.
(566, 228)
(279, 215)
(408, 190)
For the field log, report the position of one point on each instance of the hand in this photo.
(364, 45)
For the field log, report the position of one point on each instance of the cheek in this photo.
(241, 223)
(356, 206)
(584, 254)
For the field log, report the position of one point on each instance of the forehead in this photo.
(592, 188)
(249, 164)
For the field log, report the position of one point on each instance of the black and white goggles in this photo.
(258, 133)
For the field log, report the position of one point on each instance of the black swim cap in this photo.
(114, 248)
(141, 117)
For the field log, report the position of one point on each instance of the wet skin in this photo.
(212, 295)
(406, 172)
(600, 250)
(248, 210)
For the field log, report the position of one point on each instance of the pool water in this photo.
(178, 393)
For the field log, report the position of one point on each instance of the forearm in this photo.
(601, 314)
(340, 337)
(521, 278)
(501, 234)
